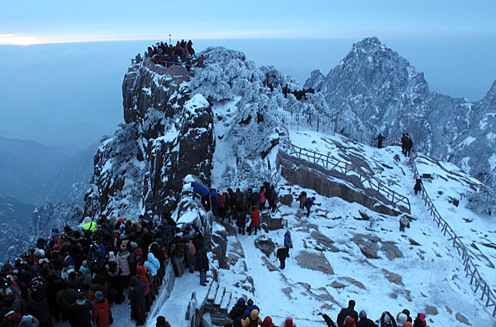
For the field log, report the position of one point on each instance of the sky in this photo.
(431, 272)
(60, 92)
(31, 21)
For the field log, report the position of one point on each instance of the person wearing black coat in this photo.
(418, 186)
(240, 221)
(80, 312)
(137, 301)
(349, 311)
(202, 265)
(236, 312)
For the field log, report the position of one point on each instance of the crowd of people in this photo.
(168, 55)
(246, 313)
(77, 274)
(236, 206)
(299, 94)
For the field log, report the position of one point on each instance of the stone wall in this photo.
(330, 183)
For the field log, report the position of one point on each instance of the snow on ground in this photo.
(424, 273)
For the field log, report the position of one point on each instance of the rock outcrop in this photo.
(167, 134)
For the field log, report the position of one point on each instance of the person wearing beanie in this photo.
(102, 314)
(349, 311)
(408, 317)
(363, 321)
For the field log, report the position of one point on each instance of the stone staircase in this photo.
(219, 302)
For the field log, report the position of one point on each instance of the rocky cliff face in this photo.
(377, 86)
(171, 130)
(167, 134)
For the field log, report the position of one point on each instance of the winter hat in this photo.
(80, 295)
(123, 247)
(267, 321)
(56, 248)
(9, 292)
(134, 245)
(289, 322)
(55, 232)
(241, 301)
(99, 295)
(86, 220)
(140, 270)
(401, 319)
(362, 314)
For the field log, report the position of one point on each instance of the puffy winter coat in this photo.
(101, 313)
(153, 264)
(123, 263)
(255, 218)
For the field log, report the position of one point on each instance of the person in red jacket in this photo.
(255, 221)
(102, 315)
(222, 198)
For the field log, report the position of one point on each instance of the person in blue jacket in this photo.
(203, 192)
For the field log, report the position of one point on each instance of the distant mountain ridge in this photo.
(386, 94)
(32, 172)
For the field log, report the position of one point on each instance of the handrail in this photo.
(344, 167)
(470, 268)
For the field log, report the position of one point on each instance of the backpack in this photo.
(179, 250)
(191, 249)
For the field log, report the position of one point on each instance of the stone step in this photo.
(224, 304)
(218, 297)
(212, 292)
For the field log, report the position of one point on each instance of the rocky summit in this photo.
(382, 92)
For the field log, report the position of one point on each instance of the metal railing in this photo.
(368, 182)
(470, 268)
